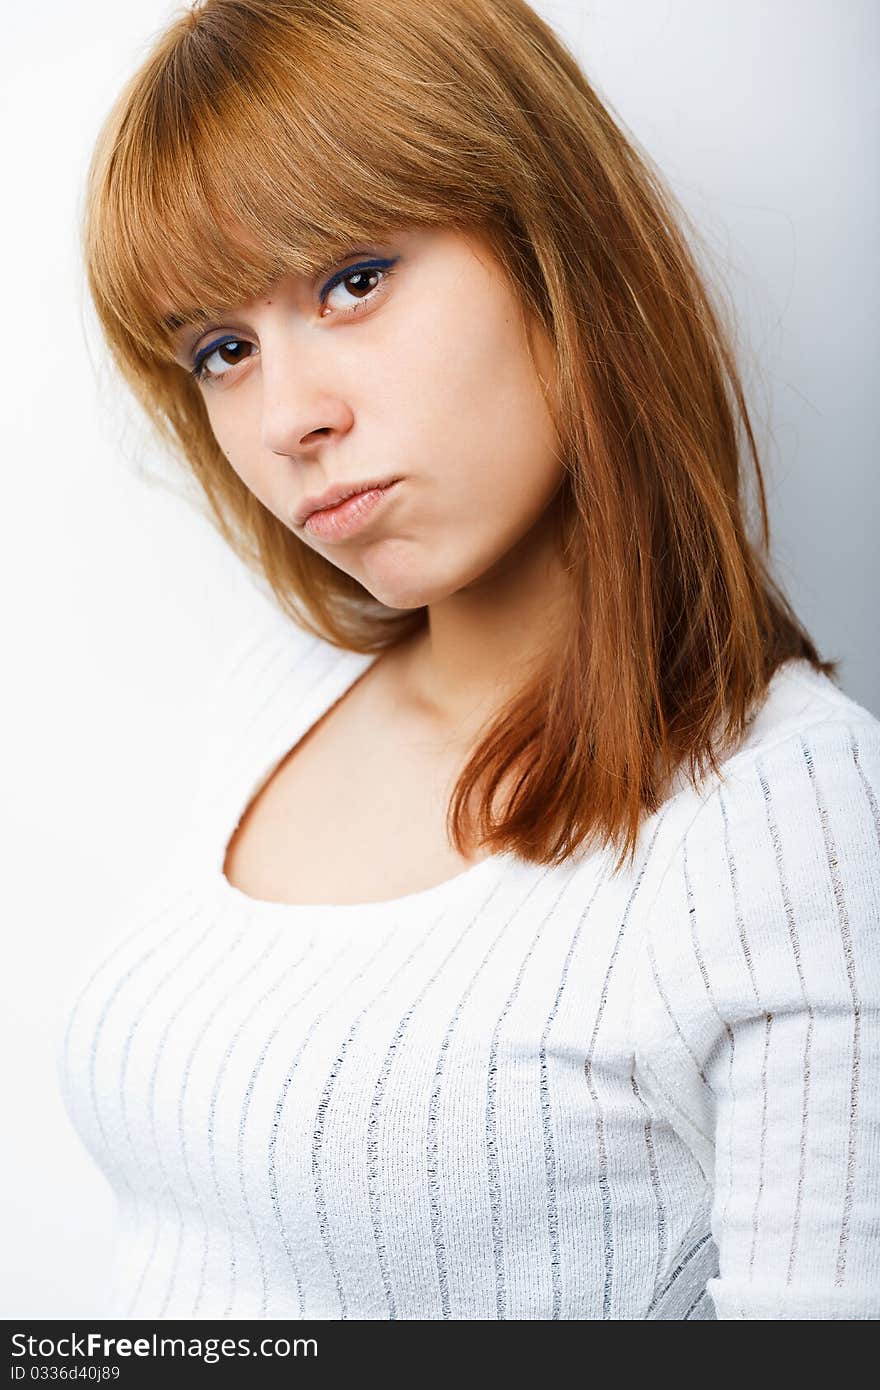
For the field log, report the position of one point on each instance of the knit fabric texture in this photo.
(527, 1092)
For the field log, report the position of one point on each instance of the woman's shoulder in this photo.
(263, 643)
(809, 760)
(267, 666)
(805, 726)
(268, 680)
(796, 800)
(800, 700)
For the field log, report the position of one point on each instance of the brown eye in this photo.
(358, 282)
(229, 352)
(363, 281)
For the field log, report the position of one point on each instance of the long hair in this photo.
(265, 137)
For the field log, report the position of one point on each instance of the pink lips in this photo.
(349, 516)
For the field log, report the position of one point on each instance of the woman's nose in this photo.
(301, 408)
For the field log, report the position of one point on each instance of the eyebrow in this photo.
(171, 323)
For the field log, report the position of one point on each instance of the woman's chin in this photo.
(418, 593)
(402, 597)
(400, 578)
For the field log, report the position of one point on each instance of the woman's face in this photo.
(415, 367)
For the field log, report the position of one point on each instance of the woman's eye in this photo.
(351, 289)
(231, 346)
(361, 282)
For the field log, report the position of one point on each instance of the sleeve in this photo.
(757, 1020)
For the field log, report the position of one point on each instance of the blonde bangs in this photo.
(224, 166)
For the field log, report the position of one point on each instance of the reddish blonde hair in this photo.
(264, 137)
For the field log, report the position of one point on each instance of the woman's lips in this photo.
(348, 517)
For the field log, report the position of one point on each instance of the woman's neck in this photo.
(480, 643)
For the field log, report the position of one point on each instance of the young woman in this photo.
(523, 961)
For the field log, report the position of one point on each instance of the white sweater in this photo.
(523, 1093)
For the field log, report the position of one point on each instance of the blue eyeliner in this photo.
(206, 351)
(377, 263)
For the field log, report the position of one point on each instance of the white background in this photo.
(120, 599)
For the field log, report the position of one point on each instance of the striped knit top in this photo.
(526, 1092)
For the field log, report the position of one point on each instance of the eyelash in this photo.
(386, 268)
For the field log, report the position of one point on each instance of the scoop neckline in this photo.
(293, 731)
(269, 907)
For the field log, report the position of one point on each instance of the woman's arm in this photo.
(757, 1015)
